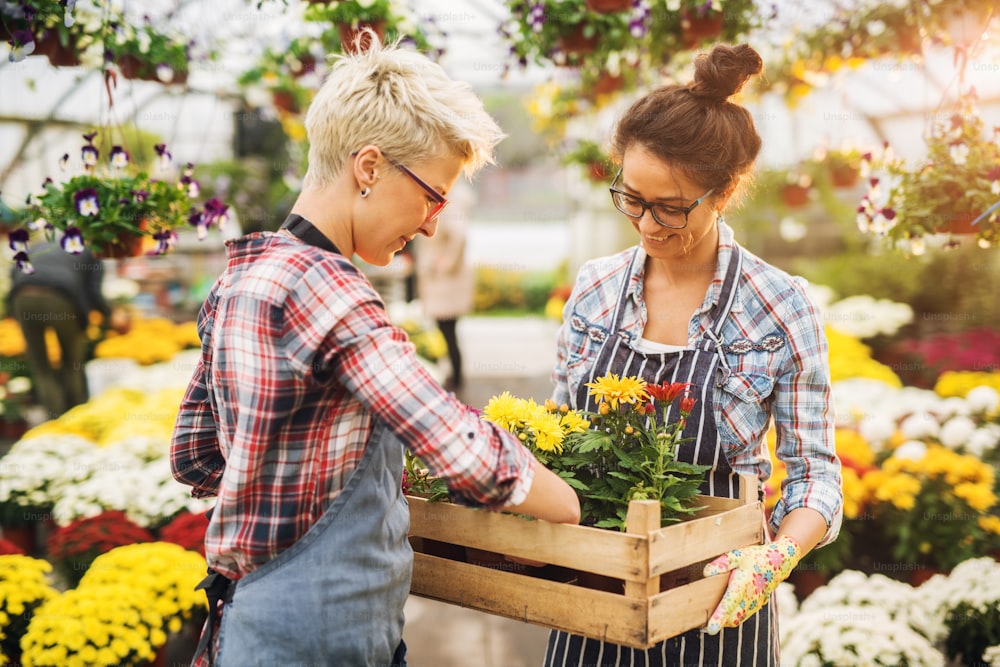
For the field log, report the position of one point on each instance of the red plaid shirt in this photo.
(298, 357)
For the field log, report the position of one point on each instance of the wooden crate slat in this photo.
(606, 552)
(684, 608)
(687, 542)
(562, 606)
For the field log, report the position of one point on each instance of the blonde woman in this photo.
(306, 395)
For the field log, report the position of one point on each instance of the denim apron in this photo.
(754, 642)
(336, 596)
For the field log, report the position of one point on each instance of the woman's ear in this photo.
(365, 166)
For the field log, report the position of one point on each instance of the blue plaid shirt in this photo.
(776, 348)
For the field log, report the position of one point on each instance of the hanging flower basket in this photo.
(285, 100)
(794, 195)
(696, 27)
(961, 223)
(575, 42)
(60, 55)
(349, 33)
(606, 84)
(844, 176)
(127, 245)
(608, 6)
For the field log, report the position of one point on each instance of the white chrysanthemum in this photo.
(956, 432)
(983, 399)
(876, 429)
(913, 450)
(920, 425)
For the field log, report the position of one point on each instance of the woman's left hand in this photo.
(754, 574)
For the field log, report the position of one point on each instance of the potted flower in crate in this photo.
(114, 206)
(143, 52)
(563, 32)
(954, 190)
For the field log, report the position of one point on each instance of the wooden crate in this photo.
(656, 588)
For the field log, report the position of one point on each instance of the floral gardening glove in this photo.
(754, 574)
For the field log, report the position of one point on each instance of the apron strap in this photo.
(219, 590)
(620, 308)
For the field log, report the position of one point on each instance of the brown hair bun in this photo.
(723, 71)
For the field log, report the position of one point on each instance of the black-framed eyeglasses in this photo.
(440, 200)
(665, 215)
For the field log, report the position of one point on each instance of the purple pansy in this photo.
(63, 161)
(139, 195)
(119, 157)
(22, 44)
(189, 185)
(165, 157)
(18, 240)
(23, 263)
(72, 240)
(166, 239)
(85, 200)
(215, 213)
(197, 220)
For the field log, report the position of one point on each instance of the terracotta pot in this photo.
(127, 245)
(608, 6)
(961, 223)
(607, 84)
(285, 101)
(844, 176)
(47, 44)
(133, 67)
(348, 34)
(794, 196)
(597, 172)
(575, 43)
(696, 29)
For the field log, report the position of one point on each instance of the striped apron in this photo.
(753, 643)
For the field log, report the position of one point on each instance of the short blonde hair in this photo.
(402, 102)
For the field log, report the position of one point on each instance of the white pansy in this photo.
(920, 424)
(983, 399)
(956, 432)
(913, 450)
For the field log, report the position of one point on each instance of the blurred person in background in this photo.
(445, 280)
(58, 296)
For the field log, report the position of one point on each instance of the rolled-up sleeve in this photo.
(482, 464)
(803, 417)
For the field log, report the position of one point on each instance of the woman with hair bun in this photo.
(689, 304)
(305, 394)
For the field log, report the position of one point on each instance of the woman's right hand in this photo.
(550, 498)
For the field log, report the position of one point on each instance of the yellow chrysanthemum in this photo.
(615, 390)
(960, 383)
(978, 496)
(503, 410)
(850, 358)
(547, 431)
(573, 422)
(851, 446)
(990, 523)
(855, 493)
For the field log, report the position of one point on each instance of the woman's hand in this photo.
(754, 573)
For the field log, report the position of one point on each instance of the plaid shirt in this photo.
(775, 346)
(298, 358)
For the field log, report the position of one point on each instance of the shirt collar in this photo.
(726, 245)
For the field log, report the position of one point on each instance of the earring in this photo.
(365, 192)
